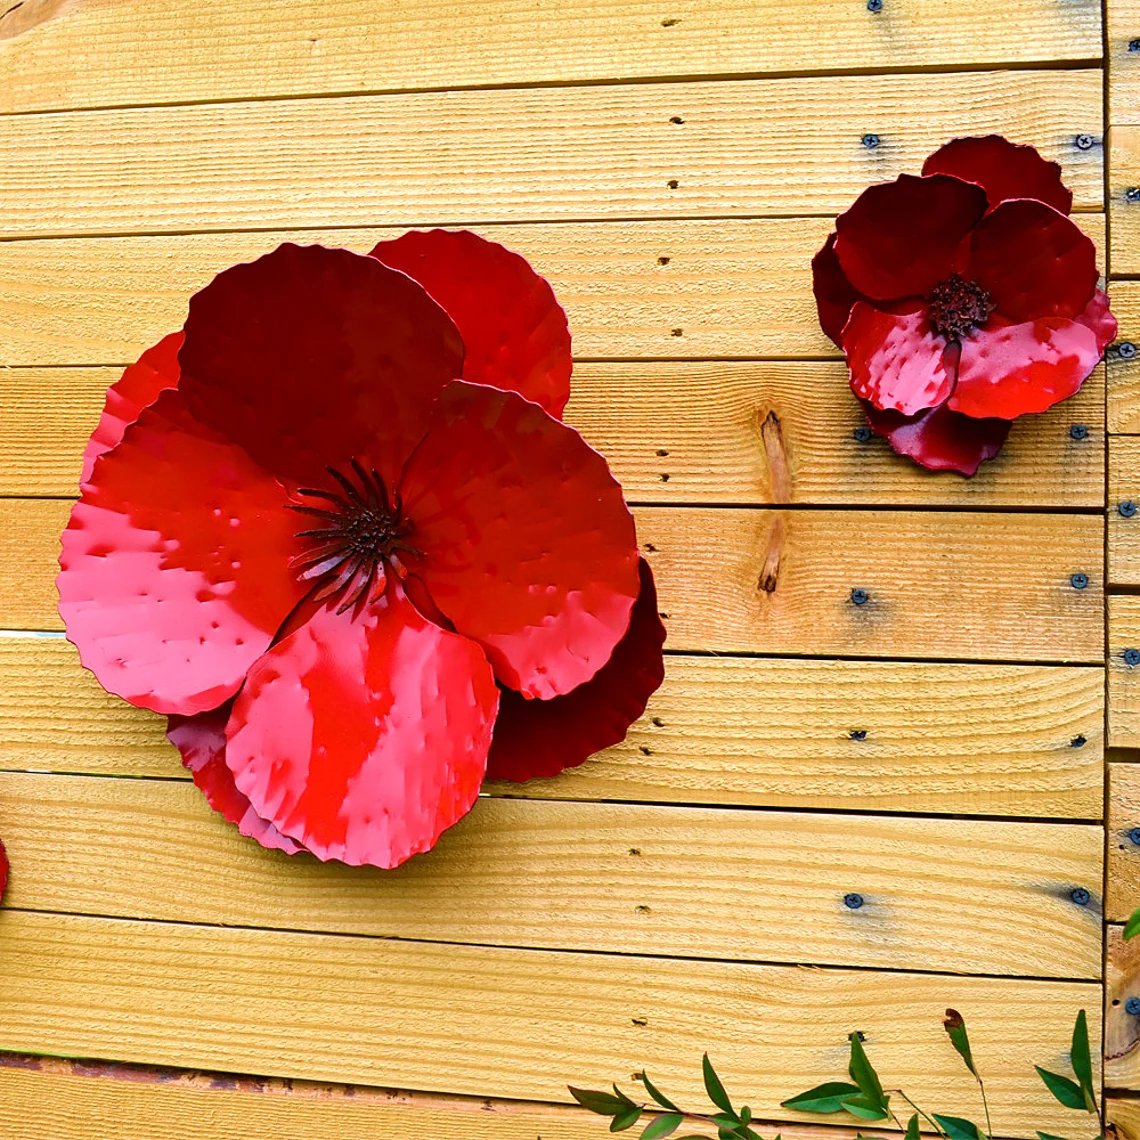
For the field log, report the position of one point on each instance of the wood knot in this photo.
(770, 569)
(779, 473)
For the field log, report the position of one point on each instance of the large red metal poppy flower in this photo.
(962, 299)
(336, 530)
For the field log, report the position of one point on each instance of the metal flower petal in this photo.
(1098, 317)
(364, 738)
(3, 871)
(901, 238)
(174, 570)
(940, 439)
(896, 360)
(835, 296)
(308, 356)
(1013, 370)
(138, 387)
(523, 538)
(514, 330)
(1003, 169)
(542, 738)
(201, 741)
(1033, 262)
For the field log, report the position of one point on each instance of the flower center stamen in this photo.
(362, 534)
(956, 306)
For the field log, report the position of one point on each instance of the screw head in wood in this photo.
(860, 597)
(863, 434)
(1131, 657)
(853, 900)
(1134, 835)
(1084, 142)
(1080, 896)
(1079, 431)
(1079, 581)
(1126, 350)
(1126, 508)
(1132, 1006)
(1132, 194)
(871, 141)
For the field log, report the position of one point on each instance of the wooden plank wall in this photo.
(671, 167)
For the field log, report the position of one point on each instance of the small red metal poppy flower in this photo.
(962, 299)
(3, 871)
(336, 530)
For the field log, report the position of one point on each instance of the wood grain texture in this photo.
(1123, 1114)
(1123, 678)
(1122, 895)
(340, 1008)
(1121, 1028)
(1000, 740)
(1124, 488)
(1124, 176)
(1122, 21)
(1124, 368)
(148, 52)
(1008, 575)
(672, 432)
(732, 288)
(778, 146)
(632, 879)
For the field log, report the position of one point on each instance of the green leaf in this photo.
(864, 1075)
(912, 1128)
(958, 1129)
(725, 1120)
(714, 1088)
(745, 1115)
(1082, 1061)
(653, 1091)
(865, 1107)
(727, 1132)
(626, 1119)
(663, 1126)
(622, 1097)
(600, 1102)
(823, 1098)
(1132, 926)
(955, 1026)
(1066, 1091)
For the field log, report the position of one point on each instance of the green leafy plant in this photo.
(862, 1096)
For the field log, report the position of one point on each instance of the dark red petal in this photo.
(1033, 262)
(895, 360)
(901, 238)
(365, 737)
(513, 328)
(1003, 170)
(940, 439)
(311, 356)
(174, 567)
(138, 387)
(541, 738)
(201, 739)
(1009, 371)
(528, 546)
(3, 871)
(1098, 317)
(834, 295)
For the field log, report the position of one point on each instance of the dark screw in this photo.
(857, 734)
(1080, 896)
(1134, 45)
(1126, 508)
(853, 901)
(860, 597)
(1084, 142)
(1131, 657)
(871, 141)
(1132, 1006)
(1079, 431)
(1132, 194)
(1079, 581)
(874, 5)
(1134, 835)
(1078, 741)
(1126, 350)
(863, 434)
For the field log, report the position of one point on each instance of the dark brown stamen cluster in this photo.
(364, 532)
(956, 306)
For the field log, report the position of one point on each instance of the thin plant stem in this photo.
(925, 1116)
(985, 1106)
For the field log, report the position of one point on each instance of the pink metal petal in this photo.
(201, 739)
(138, 387)
(1011, 370)
(834, 294)
(513, 328)
(940, 439)
(895, 360)
(542, 738)
(1033, 262)
(1098, 317)
(1003, 170)
(365, 737)
(312, 356)
(3, 871)
(174, 573)
(527, 544)
(901, 238)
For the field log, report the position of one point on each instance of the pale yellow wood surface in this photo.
(1123, 1113)
(1122, 27)
(1123, 678)
(732, 288)
(1123, 879)
(1007, 577)
(150, 52)
(940, 895)
(1124, 371)
(1123, 487)
(673, 432)
(970, 739)
(1121, 1028)
(1124, 175)
(776, 146)
(467, 1019)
